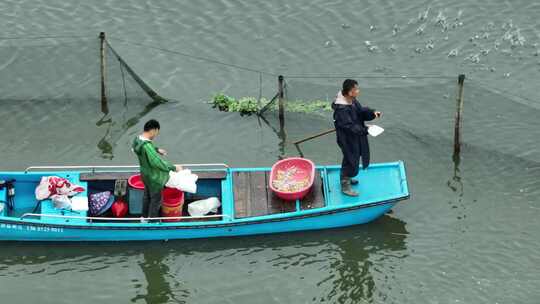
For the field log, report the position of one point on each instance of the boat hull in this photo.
(34, 231)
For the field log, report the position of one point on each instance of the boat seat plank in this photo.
(253, 197)
(315, 198)
(276, 204)
(99, 176)
(250, 194)
(257, 203)
(241, 192)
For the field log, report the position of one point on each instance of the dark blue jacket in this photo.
(352, 134)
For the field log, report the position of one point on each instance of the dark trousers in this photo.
(349, 167)
(351, 150)
(353, 147)
(151, 203)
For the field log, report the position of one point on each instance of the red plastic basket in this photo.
(306, 168)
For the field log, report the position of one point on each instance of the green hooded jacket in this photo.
(154, 169)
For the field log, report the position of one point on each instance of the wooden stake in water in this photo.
(104, 105)
(280, 99)
(282, 135)
(459, 117)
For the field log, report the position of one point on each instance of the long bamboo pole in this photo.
(314, 136)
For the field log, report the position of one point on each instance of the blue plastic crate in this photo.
(135, 200)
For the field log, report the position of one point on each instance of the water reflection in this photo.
(118, 124)
(354, 279)
(454, 183)
(343, 264)
(280, 133)
(155, 271)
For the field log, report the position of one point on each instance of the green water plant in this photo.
(223, 102)
(312, 106)
(244, 105)
(249, 105)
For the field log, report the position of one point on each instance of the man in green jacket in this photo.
(154, 169)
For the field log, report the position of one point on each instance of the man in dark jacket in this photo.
(349, 118)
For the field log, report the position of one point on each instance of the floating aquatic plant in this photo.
(222, 102)
(244, 105)
(250, 105)
(313, 106)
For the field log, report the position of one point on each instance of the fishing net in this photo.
(59, 83)
(497, 122)
(417, 112)
(412, 109)
(198, 77)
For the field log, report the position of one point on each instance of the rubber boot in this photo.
(346, 187)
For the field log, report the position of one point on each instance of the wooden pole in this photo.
(459, 117)
(282, 135)
(104, 105)
(280, 98)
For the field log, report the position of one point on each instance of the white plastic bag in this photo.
(79, 203)
(183, 180)
(42, 190)
(61, 201)
(203, 207)
(375, 130)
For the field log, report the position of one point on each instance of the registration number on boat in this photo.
(31, 228)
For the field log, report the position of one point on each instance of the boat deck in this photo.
(253, 197)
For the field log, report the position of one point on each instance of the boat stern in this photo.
(378, 184)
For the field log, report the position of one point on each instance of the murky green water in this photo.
(469, 233)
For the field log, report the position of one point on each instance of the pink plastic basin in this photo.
(306, 168)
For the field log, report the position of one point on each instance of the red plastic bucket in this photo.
(172, 195)
(173, 201)
(136, 182)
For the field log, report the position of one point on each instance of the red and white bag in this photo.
(54, 185)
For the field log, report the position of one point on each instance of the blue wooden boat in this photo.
(248, 206)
